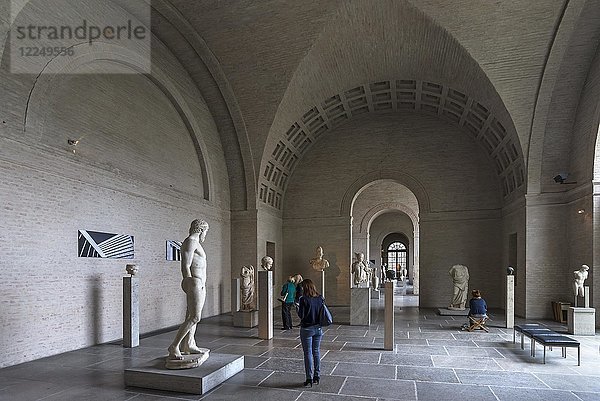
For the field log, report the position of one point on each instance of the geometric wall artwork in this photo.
(93, 244)
(174, 250)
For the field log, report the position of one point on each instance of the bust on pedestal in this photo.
(319, 264)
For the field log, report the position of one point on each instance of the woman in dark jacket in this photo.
(310, 330)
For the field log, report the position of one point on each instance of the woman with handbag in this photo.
(288, 293)
(311, 333)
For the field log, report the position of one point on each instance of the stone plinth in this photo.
(265, 302)
(388, 335)
(582, 321)
(453, 312)
(360, 306)
(236, 295)
(200, 380)
(509, 302)
(320, 282)
(131, 312)
(245, 318)
(376, 294)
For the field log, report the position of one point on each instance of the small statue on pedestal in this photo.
(360, 271)
(578, 280)
(247, 288)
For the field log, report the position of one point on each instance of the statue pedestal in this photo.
(360, 306)
(200, 380)
(582, 321)
(388, 334)
(245, 318)
(376, 294)
(131, 312)
(320, 282)
(509, 305)
(265, 302)
(453, 312)
(236, 295)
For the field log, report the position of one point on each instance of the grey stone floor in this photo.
(433, 360)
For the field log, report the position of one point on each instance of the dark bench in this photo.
(518, 328)
(547, 338)
(556, 340)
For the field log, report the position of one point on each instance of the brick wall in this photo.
(135, 171)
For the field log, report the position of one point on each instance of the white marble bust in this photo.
(318, 263)
(266, 263)
(131, 269)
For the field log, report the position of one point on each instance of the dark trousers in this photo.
(286, 316)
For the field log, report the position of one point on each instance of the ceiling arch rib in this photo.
(402, 95)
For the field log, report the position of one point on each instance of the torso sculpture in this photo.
(318, 263)
(193, 270)
(460, 281)
(579, 278)
(361, 273)
(247, 288)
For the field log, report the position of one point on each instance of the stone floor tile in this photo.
(453, 392)
(496, 378)
(427, 374)
(527, 394)
(228, 392)
(365, 370)
(389, 389)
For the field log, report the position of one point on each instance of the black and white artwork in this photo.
(93, 244)
(174, 250)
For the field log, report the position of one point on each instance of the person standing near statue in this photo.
(193, 270)
(288, 294)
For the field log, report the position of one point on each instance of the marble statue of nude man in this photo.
(193, 270)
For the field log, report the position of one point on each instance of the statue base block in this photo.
(453, 312)
(245, 318)
(360, 306)
(376, 294)
(200, 380)
(582, 321)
